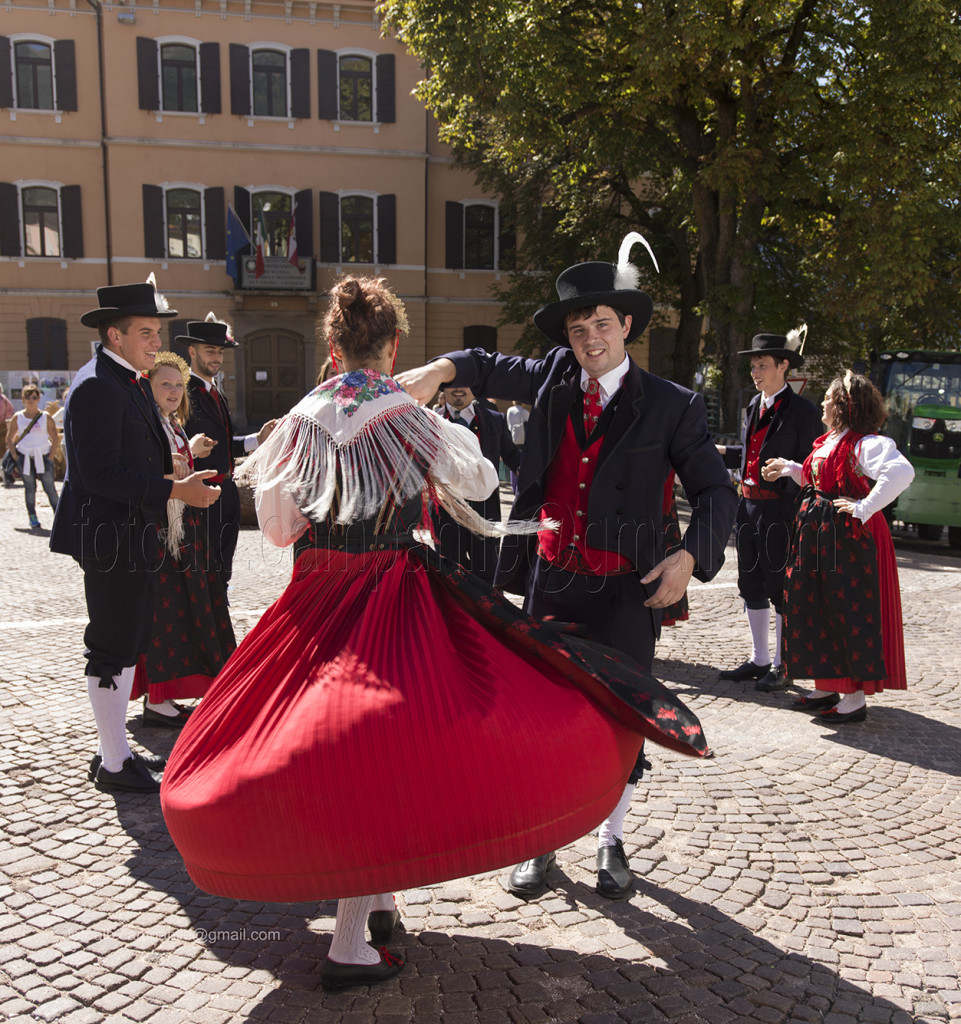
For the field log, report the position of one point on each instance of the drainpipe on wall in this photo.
(426, 228)
(98, 9)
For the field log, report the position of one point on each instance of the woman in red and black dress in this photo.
(842, 599)
(192, 634)
(367, 734)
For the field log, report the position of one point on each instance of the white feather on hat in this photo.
(627, 274)
(161, 300)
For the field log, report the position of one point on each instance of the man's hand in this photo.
(201, 446)
(265, 431)
(193, 491)
(423, 382)
(675, 574)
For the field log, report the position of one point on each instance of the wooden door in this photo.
(275, 374)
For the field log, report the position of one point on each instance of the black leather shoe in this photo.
(382, 924)
(134, 777)
(155, 764)
(809, 703)
(749, 670)
(834, 717)
(529, 878)
(334, 977)
(776, 679)
(156, 720)
(614, 877)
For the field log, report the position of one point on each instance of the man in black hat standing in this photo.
(601, 438)
(120, 474)
(779, 424)
(457, 543)
(210, 415)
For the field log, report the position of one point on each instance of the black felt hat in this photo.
(121, 300)
(780, 346)
(207, 332)
(593, 284)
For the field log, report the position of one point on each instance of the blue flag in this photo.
(237, 238)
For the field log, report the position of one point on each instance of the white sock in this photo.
(613, 827)
(383, 901)
(165, 707)
(110, 713)
(349, 942)
(850, 702)
(759, 621)
(778, 627)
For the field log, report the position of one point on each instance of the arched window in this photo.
(357, 229)
(34, 73)
(273, 210)
(269, 73)
(178, 76)
(356, 88)
(184, 223)
(41, 222)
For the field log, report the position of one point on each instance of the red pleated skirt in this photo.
(371, 734)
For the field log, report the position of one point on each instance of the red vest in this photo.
(566, 494)
(752, 466)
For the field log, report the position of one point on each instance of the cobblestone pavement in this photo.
(803, 874)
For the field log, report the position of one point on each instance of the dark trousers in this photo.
(610, 610)
(763, 538)
(464, 547)
(120, 607)
(222, 522)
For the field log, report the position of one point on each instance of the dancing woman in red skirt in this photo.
(842, 599)
(367, 733)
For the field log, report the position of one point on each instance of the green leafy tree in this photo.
(787, 159)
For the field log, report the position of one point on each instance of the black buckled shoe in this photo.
(614, 877)
(156, 720)
(155, 764)
(335, 977)
(809, 703)
(529, 878)
(776, 679)
(382, 924)
(834, 717)
(749, 670)
(134, 777)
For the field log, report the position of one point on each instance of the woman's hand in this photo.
(181, 467)
(772, 469)
(201, 446)
(846, 505)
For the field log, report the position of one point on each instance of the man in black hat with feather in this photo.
(779, 424)
(602, 436)
(120, 474)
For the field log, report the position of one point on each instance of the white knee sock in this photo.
(349, 942)
(613, 827)
(383, 901)
(110, 713)
(759, 619)
(778, 627)
(850, 702)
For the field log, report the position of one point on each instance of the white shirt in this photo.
(249, 440)
(878, 458)
(119, 359)
(768, 402)
(609, 383)
(467, 415)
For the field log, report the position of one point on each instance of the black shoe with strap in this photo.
(335, 977)
(749, 670)
(614, 877)
(155, 764)
(134, 777)
(776, 679)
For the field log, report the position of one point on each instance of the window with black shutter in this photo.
(356, 88)
(356, 229)
(71, 221)
(148, 89)
(239, 80)
(153, 222)
(41, 221)
(215, 224)
(210, 78)
(46, 343)
(179, 78)
(454, 236)
(184, 211)
(300, 83)
(479, 234)
(65, 71)
(386, 106)
(329, 227)
(327, 85)
(33, 72)
(269, 72)
(6, 76)
(9, 220)
(304, 223)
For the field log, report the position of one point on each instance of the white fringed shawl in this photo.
(362, 438)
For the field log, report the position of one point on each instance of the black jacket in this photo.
(205, 418)
(114, 496)
(656, 426)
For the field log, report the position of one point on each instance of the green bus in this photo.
(923, 395)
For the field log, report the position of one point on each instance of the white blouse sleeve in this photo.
(879, 458)
(278, 516)
(795, 470)
(459, 463)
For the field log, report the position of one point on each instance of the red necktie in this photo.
(592, 406)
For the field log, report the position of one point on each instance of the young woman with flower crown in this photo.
(367, 733)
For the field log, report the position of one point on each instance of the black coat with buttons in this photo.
(657, 426)
(114, 497)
